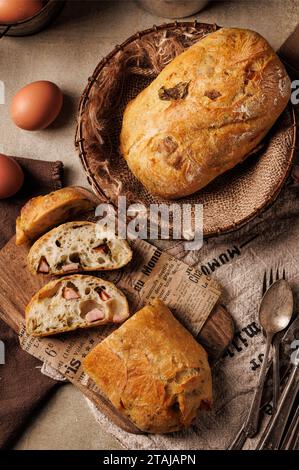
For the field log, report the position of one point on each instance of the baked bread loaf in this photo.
(77, 246)
(204, 113)
(74, 302)
(153, 371)
(44, 212)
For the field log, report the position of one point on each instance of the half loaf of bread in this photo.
(153, 371)
(73, 302)
(77, 246)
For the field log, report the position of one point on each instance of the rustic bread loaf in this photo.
(153, 371)
(73, 302)
(77, 246)
(44, 212)
(207, 110)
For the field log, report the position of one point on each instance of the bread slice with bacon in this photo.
(77, 246)
(72, 302)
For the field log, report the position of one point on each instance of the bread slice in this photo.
(153, 371)
(74, 302)
(44, 212)
(77, 246)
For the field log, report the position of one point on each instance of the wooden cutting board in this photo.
(17, 286)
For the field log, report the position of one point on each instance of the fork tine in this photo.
(271, 277)
(277, 274)
(264, 283)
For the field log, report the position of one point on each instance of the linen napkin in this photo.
(22, 387)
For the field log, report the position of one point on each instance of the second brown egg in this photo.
(36, 105)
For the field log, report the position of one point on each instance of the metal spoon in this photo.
(275, 313)
(272, 435)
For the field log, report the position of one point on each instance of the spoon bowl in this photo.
(275, 313)
(276, 308)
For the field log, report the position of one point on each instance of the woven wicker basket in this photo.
(229, 201)
(36, 23)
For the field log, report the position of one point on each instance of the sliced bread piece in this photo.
(74, 302)
(77, 246)
(41, 213)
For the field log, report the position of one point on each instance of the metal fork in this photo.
(273, 433)
(292, 435)
(276, 342)
(242, 435)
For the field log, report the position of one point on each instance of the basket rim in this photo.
(79, 139)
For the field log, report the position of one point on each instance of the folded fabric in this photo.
(22, 386)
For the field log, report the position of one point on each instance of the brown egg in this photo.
(36, 105)
(11, 177)
(12, 11)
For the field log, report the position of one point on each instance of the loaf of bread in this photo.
(74, 302)
(44, 212)
(204, 113)
(77, 246)
(153, 371)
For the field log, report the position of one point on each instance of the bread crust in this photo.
(35, 252)
(227, 91)
(153, 371)
(51, 286)
(41, 213)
